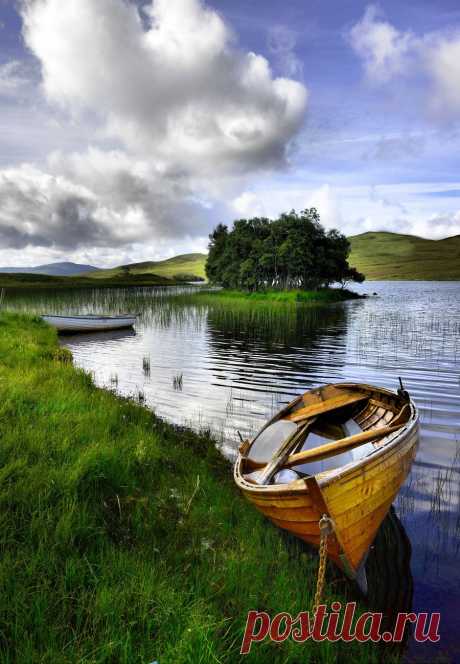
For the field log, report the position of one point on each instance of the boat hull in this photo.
(356, 497)
(73, 324)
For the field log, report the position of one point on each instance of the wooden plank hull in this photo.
(356, 496)
(89, 323)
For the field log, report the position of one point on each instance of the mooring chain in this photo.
(325, 529)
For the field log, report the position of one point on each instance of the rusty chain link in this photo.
(325, 528)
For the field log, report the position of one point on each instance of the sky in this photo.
(130, 128)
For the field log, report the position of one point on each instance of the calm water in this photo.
(229, 369)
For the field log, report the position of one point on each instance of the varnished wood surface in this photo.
(358, 496)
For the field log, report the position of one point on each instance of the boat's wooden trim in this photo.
(360, 499)
(326, 406)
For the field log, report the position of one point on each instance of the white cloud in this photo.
(40, 209)
(442, 62)
(15, 78)
(97, 199)
(388, 53)
(326, 202)
(179, 89)
(383, 48)
(440, 225)
(400, 208)
(248, 204)
(173, 110)
(272, 202)
(281, 43)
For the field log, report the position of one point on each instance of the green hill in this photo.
(185, 266)
(378, 254)
(382, 255)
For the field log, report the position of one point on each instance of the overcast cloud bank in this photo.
(165, 125)
(182, 104)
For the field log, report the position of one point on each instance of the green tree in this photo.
(293, 251)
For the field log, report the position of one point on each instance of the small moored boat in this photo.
(90, 323)
(340, 450)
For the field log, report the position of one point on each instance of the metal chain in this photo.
(325, 528)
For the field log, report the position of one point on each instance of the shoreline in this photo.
(291, 297)
(124, 537)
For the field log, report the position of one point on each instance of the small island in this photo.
(290, 259)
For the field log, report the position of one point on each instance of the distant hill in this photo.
(185, 266)
(378, 254)
(64, 269)
(382, 255)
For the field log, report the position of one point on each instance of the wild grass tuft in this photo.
(177, 381)
(146, 365)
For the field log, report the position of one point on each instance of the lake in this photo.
(228, 368)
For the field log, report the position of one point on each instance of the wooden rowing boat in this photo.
(88, 323)
(342, 450)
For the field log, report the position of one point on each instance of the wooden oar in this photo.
(338, 446)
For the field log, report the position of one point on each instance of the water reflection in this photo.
(240, 364)
(389, 576)
(89, 339)
(275, 350)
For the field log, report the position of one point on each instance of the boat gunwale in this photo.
(91, 317)
(326, 477)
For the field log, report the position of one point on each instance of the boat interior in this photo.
(323, 430)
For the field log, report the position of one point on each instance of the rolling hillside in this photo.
(382, 255)
(185, 266)
(63, 269)
(379, 255)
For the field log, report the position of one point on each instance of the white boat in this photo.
(90, 323)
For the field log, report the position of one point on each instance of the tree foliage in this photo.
(293, 251)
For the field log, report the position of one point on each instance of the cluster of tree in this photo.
(294, 251)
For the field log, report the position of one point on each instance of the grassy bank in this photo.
(322, 296)
(123, 539)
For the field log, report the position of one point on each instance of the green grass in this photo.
(185, 266)
(293, 297)
(381, 255)
(123, 539)
(41, 281)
